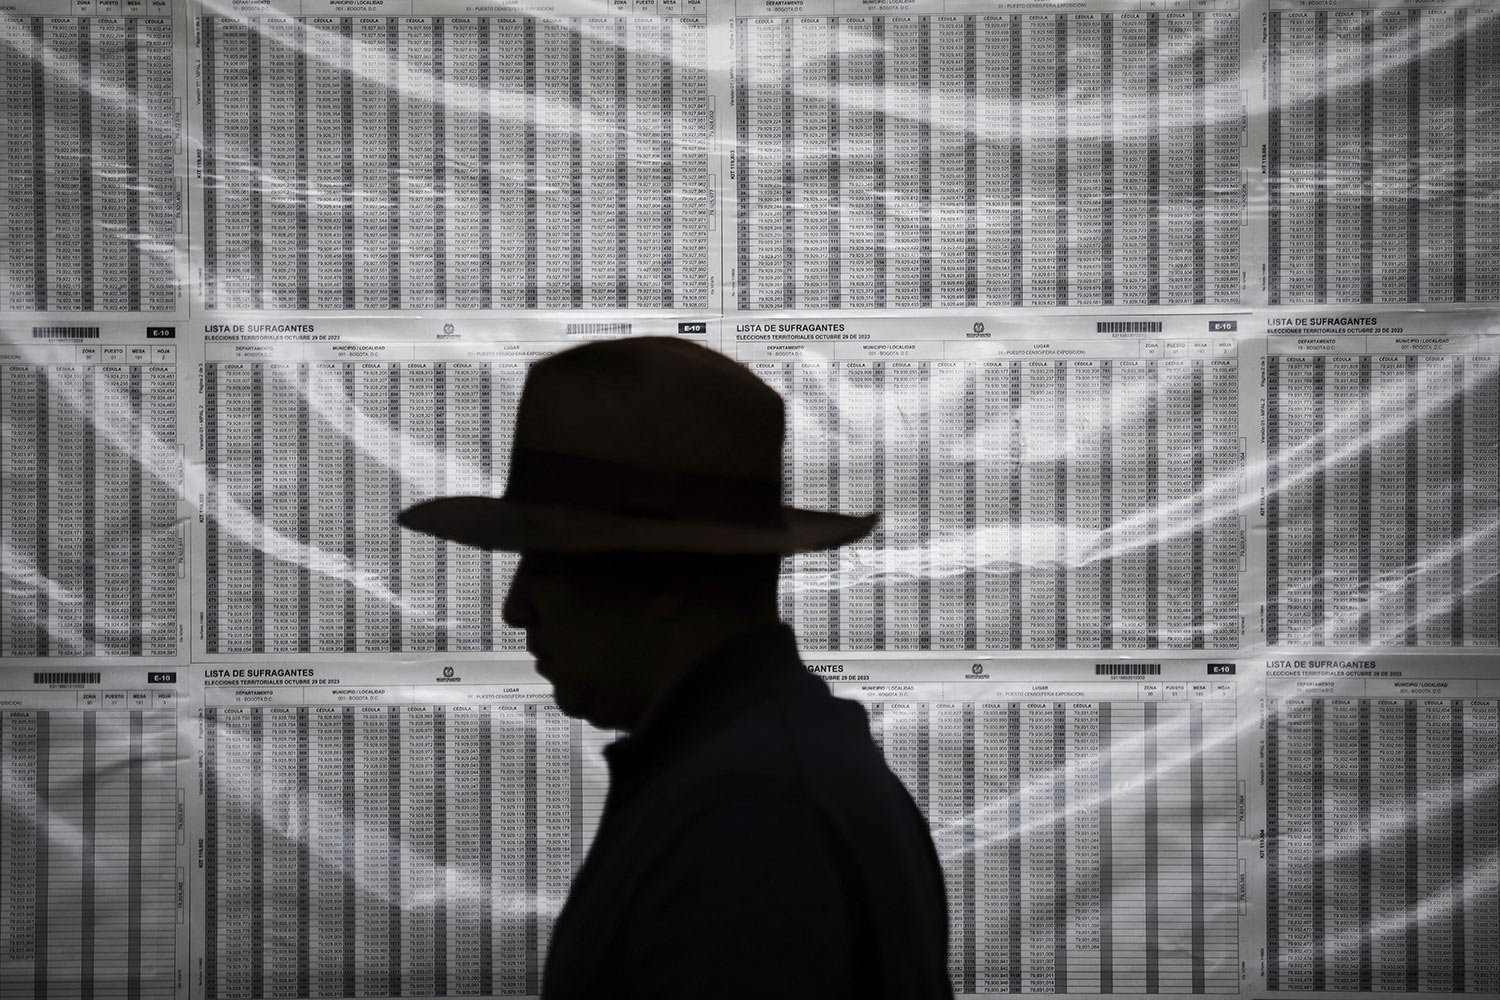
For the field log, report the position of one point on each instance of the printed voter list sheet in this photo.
(394, 155)
(92, 512)
(315, 434)
(94, 850)
(1059, 483)
(948, 153)
(386, 831)
(92, 167)
(1379, 837)
(1382, 438)
(1381, 156)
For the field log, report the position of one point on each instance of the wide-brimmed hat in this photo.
(646, 444)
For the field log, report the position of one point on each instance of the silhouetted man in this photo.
(754, 843)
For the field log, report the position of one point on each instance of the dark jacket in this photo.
(754, 844)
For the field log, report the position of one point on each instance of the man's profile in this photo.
(753, 843)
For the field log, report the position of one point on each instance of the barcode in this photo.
(598, 329)
(1128, 326)
(1126, 669)
(65, 332)
(65, 678)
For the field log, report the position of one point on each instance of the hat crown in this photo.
(651, 425)
(655, 402)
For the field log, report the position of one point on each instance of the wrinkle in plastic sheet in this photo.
(1180, 622)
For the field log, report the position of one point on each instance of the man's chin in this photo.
(600, 717)
(569, 703)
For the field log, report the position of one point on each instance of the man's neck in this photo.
(687, 642)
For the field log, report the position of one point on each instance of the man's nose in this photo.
(516, 611)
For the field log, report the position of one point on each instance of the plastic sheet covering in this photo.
(1162, 332)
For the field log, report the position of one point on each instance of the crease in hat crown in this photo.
(643, 444)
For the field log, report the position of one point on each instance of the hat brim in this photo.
(507, 526)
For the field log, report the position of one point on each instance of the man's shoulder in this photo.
(778, 729)
(796, 743)
(752, 723)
